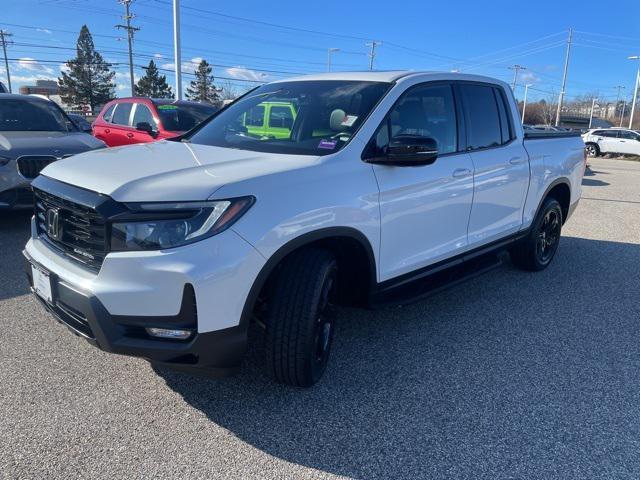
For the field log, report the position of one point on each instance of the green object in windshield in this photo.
(167, 107)
(270, 119)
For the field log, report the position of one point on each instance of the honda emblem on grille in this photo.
(54, 229)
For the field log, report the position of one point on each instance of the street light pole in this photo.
(176, 48)
(615, 109)
(593, 104)
(329, 52)
(564, 77)
(524, 102)
(624, 108)
(635, 90)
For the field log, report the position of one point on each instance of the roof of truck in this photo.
(387, 76)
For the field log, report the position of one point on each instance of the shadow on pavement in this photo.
(510, 373)
(591, 182)
(14, 233)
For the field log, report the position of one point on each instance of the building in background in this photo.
(42, 87)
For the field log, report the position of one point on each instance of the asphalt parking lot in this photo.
(510, 375)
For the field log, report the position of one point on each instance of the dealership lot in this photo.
(510, 375)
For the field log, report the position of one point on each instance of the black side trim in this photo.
(555, 183)
(393, 283)
(548, 135)
(305, 239)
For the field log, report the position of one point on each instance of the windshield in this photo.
(32, 116)
(180, 118)
(303, 118)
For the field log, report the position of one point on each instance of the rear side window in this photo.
(109, 113)
(280, 117)
(505, 124)
(628, 135)
(121, 114)
(482, 116)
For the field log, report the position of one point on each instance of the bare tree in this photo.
(228, 91)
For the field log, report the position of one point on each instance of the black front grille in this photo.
(30, 166)
(81, 230)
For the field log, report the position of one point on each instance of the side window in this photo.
(255, 117)
(505, 124)
(628, 135)
(280, 117)
(109, 113)
(143, 114)
(598, 133)
(609, 133)
(482, 117)
(427, 111)
(122, 113)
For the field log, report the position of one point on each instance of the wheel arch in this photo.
(560, 189)
(342, 241)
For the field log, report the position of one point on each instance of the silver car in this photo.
(33, 133)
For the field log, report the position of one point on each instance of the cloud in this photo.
(125, 76)
(529, 77)
(44, 30)
(31, 65)
(158, 55)
(186, 67)
(29, 79)
(121, 86)
(242, 73)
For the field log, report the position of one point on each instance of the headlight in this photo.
(156, 226)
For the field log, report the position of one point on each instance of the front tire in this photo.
(592, 150)
(538, 249)
(300, 323)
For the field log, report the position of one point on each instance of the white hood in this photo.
(168, 171)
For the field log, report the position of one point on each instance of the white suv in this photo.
(367, 188)
(612, 140)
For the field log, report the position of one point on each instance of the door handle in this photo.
(130, 135)
(516, 160)
(106, 130)
(461, 173)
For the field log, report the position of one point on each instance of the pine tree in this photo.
(202, 88)
(152, 84)
(89, 80)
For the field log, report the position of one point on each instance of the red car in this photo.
(138, 120)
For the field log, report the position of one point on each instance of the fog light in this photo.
(169, 333)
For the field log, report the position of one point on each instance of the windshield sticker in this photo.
(327, 144)
(167, 107)
(349, 120)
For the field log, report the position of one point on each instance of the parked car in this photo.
(612, 140)
(390, 185)
(125, 121)
(80, 121)
(33, 133)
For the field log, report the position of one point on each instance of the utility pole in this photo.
(130, 31)
(624, 108)
(517, 69)
(564, 76)
(593, 104)
(373, 44)
(176, 48)
(3, 39)
(635, 90)
(329, 52)
(524, 102)
(615, 109)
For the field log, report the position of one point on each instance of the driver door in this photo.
(424, 209)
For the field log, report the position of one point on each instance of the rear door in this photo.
(102, 126)
(424, 209)
(500, 162)
(120, 129)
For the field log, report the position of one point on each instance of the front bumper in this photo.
(217, 352)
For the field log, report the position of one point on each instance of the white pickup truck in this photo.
(366, 189)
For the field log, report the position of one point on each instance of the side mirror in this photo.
(411, 150)
(145, 127)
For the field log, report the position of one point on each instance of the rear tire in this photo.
(592, 150)
(537, 250)
(299, 320)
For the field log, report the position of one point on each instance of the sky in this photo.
(250, 42)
